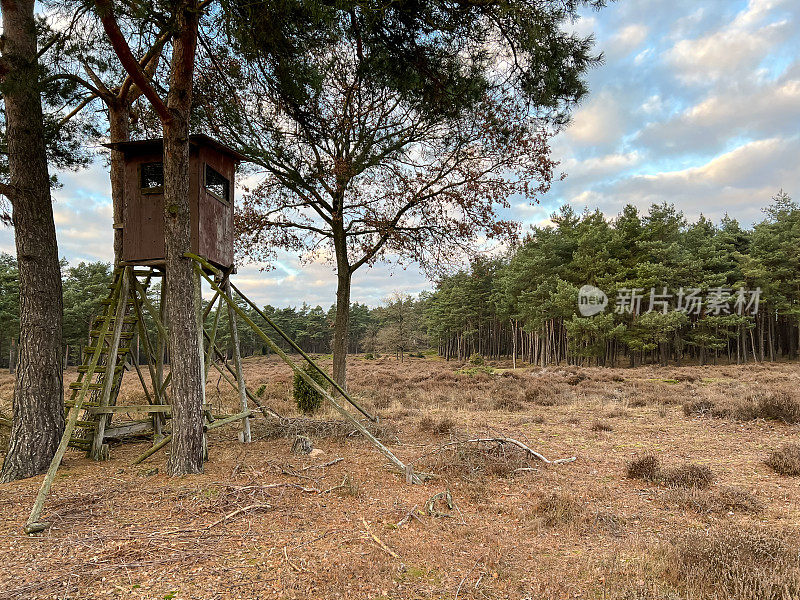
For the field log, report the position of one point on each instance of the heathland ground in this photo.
(670, 496)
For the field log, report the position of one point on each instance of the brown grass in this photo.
(558, 509)
(521, 529)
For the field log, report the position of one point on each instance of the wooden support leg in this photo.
(161, 344)
(237, 360)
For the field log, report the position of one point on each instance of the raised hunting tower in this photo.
(211, 170)
(119, 336)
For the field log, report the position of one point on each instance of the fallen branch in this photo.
(239, 511)
(322, 466)
(513, 442)
(379, 541)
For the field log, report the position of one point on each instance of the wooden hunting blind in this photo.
(119, 337)
(212, 168)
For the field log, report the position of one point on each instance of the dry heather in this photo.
(659, 505)
(785, 460)
(743, 564)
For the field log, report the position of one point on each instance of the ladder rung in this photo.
(123, 334)
(91, 386)
(120, 352)
(86, 424)
(70, 403)
(98, 368)
(79, 443)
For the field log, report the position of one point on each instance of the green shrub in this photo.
(369, 356)
(476, 359)
(308, 399)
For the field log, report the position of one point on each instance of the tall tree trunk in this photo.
(119, 119)
(186, 454)
(341, 327)
(38, 404)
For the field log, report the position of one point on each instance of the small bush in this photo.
(307, 398)
(369, 356)
(440, 427)
(689, 475)
(774, 406)
(646, 467)
(476, 359)
(261, 389)
(697, 407)
(736, 564)
(601, 426)
(785, 460)
(558, 509)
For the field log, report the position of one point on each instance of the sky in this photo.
(696, 104)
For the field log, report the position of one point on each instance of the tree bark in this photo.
(38, 404)
(186, 453)
(341, 327)
(119, 131)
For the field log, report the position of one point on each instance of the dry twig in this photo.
(379, 541)
(238, 512)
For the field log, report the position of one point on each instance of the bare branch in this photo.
(129, 63)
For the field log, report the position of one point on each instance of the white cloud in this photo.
(597, 122)
(626, 40)
(740, 182)
(730, 50)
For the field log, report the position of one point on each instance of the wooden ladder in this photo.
(98, 377)
(111, 334)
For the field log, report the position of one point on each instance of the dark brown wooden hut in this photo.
(212, 168)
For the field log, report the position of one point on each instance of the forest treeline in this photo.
(676, 290)
(398, 325)
(524, 305)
